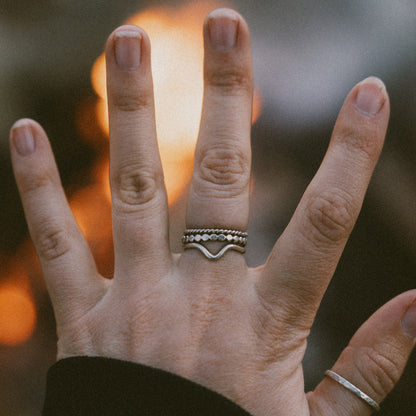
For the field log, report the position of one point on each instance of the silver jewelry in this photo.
(234, 239)
(353, 389)
(212, 234)
(217, 256)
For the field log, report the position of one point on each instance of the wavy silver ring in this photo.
(353, 389)
(212, 256)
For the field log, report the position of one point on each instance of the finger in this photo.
(140, 222)
(305, 257)
(373, 361)
(66, 260)
(220, 186)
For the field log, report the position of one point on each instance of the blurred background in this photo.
(307, 56)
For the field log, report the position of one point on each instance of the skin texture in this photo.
(239, 331)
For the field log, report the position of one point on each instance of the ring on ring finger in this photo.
(231, 239)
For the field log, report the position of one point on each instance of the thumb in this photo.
(373, 361)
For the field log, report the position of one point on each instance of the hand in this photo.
(239, 331)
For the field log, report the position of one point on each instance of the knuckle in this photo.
(360, 141)
(225, 169)
(379, 371)
(230, 80)
(131, 101)
(37, 181)
(135, 186)
(330, 217)
(52, 243)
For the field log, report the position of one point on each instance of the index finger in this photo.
(305, 257)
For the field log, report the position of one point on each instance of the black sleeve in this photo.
(89, 386)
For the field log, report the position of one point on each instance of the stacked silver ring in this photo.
(233, 239)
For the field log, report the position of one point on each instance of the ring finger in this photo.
(219, 194)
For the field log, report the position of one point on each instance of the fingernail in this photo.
(128, 49)
(371, 96)
(223, 29)
(22, 138)
(409, 321)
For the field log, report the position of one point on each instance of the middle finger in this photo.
(140, 219)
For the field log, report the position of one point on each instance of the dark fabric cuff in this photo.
(82, 386)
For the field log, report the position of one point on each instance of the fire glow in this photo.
(18, 313)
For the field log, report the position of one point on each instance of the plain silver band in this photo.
(217, 256)
(353, 389)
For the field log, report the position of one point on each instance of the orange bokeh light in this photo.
(257, 106)
(17, 314)
(92, 210)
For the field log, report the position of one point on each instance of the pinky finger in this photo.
(373, 361)
(67, 264)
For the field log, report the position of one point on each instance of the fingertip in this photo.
(25, 123)
(396, 317)
(128, 28)
(226, 29)
(20, 123)
(374, 81)
(362, 122)
(128, 47)
(371, 97)
(22, 136)
(222, 13)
